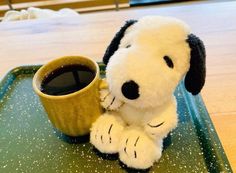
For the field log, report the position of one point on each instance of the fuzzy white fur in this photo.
(135, 128)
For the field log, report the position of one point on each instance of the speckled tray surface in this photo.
(29, 143)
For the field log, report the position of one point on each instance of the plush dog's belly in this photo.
(134, 116)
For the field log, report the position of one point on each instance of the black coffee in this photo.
(67, 79)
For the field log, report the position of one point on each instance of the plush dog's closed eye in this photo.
(168, 61)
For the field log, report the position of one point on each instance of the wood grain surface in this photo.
(38, 41)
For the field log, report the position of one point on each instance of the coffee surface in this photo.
(67, 79)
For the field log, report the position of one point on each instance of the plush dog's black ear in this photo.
(195, 77)
(116, 41)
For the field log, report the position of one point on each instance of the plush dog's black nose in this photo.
(130, 90)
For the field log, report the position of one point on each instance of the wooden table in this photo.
(38, 41)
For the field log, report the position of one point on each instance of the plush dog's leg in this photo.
(162, 124)
(105, 133)
(137, 150)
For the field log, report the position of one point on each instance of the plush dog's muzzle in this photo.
(130, 90)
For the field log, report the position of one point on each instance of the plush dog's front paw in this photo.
(105, 133)
(137, 150)
(108, 101)
(159, 128)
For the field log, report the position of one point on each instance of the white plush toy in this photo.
(145, 62)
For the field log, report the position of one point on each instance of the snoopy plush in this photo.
(145, 62)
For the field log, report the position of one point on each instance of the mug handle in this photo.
(103, 84)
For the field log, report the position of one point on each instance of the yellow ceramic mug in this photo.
(74, 113)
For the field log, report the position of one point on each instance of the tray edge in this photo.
(204, 121)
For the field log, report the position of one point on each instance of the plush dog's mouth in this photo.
(130, 90)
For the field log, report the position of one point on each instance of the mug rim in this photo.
(40, 93)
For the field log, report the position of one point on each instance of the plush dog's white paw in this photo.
(105, 133)
(108, 101)
(159, 127)
(137, 150)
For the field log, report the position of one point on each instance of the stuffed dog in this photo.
(145, 62)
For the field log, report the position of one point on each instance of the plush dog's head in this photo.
(147, 59)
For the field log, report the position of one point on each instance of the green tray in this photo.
(29, 143)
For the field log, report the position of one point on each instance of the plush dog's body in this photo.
(136, 134)
(146, 60)
(141, 117)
